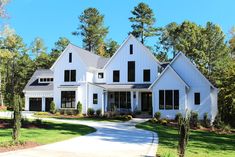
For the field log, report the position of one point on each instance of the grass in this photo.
(201, 143)
(53, 133)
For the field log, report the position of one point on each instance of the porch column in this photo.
(102, 103)
(43, 103)
(132, 101)
(26, 107)
(153, 104)
(137, 99)
(105, 101)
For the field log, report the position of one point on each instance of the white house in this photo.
(132, 79)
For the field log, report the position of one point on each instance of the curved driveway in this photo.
(112, 139)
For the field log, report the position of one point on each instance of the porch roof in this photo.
(124, 86)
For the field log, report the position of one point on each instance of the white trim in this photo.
(169, 67)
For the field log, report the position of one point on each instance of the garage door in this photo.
(35, 104)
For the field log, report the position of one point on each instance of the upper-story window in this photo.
(116, 76)
(146, 74)
(70, 57)
(45, 80)
(69, 75)
(131, 49)
(100, 75)
(131, 71)
(197, 100)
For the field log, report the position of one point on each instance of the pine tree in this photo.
(143, 20)
(17, 119)
(91, 29)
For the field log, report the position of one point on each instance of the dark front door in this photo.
(35, 104)
(146, 101)
(48, 102)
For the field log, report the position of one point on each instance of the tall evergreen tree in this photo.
(92, 29)
(37, 46)
(143, 22)
(111, 47)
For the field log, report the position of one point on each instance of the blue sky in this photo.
(51, 19)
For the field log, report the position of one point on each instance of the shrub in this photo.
(25, 121)
(79, 107)
(163, 121)
(218, 122)
(98, 112)
(178, 116)
(157, 115)
(52, 107)
(90, 112)
(206, 120)
(194, 122)
(153, 120)
(41, 113)
(124, 117)
(57, 114)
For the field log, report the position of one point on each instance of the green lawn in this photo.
(201, 143)
(53, 133)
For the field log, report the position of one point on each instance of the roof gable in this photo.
(174, 72)
(182, 55)
(131, 37)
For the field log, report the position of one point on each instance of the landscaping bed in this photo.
(204, 142)
(37, 132)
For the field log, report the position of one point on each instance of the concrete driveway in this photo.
(111, 139)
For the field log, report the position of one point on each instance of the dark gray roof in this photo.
(89, 58)
(123, 86)
(164, 64)
(34, 85)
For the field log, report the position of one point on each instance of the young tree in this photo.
(16, 119)
(184, 128)
(143, 21)
(91, 29)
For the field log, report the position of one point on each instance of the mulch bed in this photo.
(19, 146)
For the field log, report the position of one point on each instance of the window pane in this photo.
(131, 49)
(161, 99)
(123, 100)
(95, 98)
(41, 80)
(168, 99)
(197, 98)
(116, 76)
(68, 99)
(176, 99)
(131, 71)
(146, 75)
(73, 75)
(100, 75)
(66, 76)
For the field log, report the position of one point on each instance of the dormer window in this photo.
(70, 57)
(131, 49)
(100, 75)
(45, 80)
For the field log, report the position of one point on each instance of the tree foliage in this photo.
(92, 29)
(143, 22)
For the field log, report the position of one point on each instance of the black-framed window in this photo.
(116, 76)
(67, 99)
(100, 75)
(95, 98)
(146, 75)
(70, 57)
(69, 75)
(131, 49)
(197, 99)
(131, 71)
(161, 99)
(169, 99)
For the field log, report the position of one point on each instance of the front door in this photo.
(146, 102)
(48, 102)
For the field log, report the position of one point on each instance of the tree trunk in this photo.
(16, 119)
(142, 33)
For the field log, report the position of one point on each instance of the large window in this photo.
(131, 49)
(95, 98)
(67, 99)
(69, 75)
(131, 71)
(119, 100)
(197, 100)
(146, 75)
(168, 99)
(116, 75)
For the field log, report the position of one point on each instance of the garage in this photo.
(35, 104)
